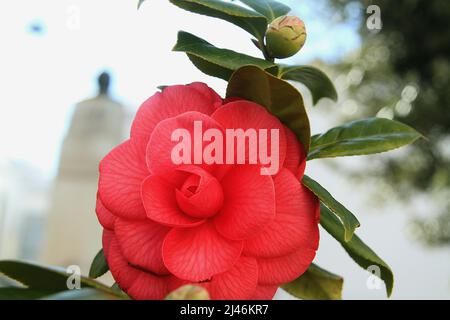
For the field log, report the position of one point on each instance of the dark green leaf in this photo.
(256, 43)
(41, 277)
(278, 96)
(269, 8)
(367, 136)
(99, 265)
(356, 248)
(14, 293)
(349, 221)
(82, 294)
(214, 61)
(249, 20)
(140, 3)
(315, 80)
(316, 284)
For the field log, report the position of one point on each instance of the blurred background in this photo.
(73, 72)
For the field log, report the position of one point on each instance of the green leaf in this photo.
(356, 248)
(349, 221)
(116, 287)
(82, 294)
(36, 276)
(99, 265)
(15, 293)
(119, 292)
(269, 8)
(314, 79)
(367, 136)
(278, 96)
(140, 3)
(249, 20)
(316, 284)
(214, 61)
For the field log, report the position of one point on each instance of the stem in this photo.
(263, 49)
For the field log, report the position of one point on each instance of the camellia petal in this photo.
(247, 115)
(249, 202)
(121, 174)
(207, 92)
(107, 237)
(264, 292)
(301, 170)
(123, 273)
(105, 217)
(238, 283)
(284, 269)
(201, 195)
(136, 283)
(149, 287)
(295, 223)
(161, 206)
(295, 153)
(197, 254)
(163, 157)
(141, 243)
(173, 101)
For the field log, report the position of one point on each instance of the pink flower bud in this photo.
(285, 36)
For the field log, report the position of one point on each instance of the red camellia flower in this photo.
(227, 227)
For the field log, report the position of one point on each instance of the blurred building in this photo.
(23, 203)
(73, 235)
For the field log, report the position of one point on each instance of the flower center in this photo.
(201, 195)
(190, 186)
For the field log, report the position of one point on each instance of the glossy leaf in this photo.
(214, 61)
(82, 294)
(15, 293)
(36, 276)
(99, 265)
(249, 20)
(360, 137)
(316, 284)
(140, 2)
(278, 96)
(314, 79)
(356, 248)
(269, 8)
(349, 221)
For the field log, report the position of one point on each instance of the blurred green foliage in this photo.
(403, 72)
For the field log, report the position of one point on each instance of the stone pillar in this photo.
(73, 234)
